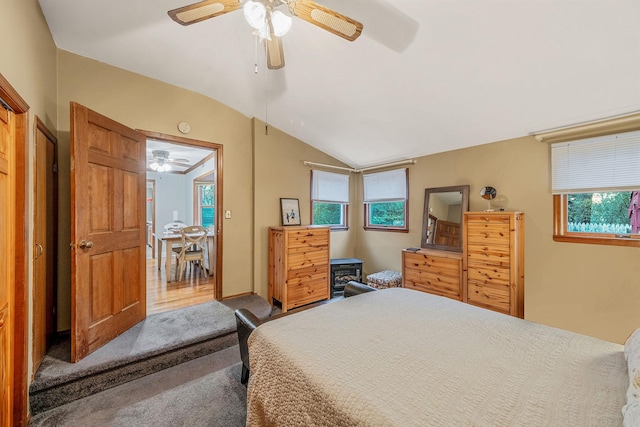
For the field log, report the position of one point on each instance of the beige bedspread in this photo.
(398, 357)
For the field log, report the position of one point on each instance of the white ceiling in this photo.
(182, 158)
(426, 76)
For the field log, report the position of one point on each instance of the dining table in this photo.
(169, 239)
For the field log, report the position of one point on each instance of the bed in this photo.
(398, 357)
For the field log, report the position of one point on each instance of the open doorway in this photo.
(183, 188)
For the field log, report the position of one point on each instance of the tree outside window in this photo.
(385, 200)
(329, 199)
(206, 204)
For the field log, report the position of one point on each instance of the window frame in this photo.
(344, 205)
(617, 125)
(560, 233)
(392, 229)
(345, 215)
(198, 182)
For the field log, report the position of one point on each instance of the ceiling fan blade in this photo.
(326, 18)
(178, 160)
(200, 11)
(275, 54)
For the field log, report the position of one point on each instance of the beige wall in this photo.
(28, 58)
(28, 62)
(590, 289)
(279, 172)
(143, 103)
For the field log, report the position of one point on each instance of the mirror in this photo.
(442, 217)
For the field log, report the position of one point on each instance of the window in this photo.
(385, 200)
(596, 187)
(329, 199)
(206, 204)
(205, 201)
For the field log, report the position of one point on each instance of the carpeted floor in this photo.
(160, 341)
(202, 392)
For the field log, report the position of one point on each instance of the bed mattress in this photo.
(398, 357)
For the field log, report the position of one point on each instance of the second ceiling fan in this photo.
(271, 24)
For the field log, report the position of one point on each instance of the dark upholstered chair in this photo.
(247, 322)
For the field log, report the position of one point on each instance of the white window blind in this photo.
(604, 163)
(329, 186)
(388, 185)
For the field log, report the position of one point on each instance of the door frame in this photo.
(53, 246)
(153, 215)
(21, 266)
(219, 184)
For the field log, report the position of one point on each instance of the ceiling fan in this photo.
(271, 24)
(161, 162)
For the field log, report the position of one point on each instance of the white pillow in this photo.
(631, 411)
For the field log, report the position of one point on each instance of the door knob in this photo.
(85, 245)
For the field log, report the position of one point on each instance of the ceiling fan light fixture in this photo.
(165, 167)
(256, 14)
(281, 23)
(159, 164)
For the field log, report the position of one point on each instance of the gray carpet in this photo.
(202, 392)
(254, 303)
(160, 341)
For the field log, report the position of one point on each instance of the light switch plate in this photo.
(227, 214)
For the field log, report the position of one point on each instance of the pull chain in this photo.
(255, 59)
(266, 94)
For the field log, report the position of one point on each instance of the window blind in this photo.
(605, 163)
(329, 186)
(388, 185)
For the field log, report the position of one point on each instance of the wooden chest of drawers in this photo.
(433, 271)
(494, 260)
(298, 265)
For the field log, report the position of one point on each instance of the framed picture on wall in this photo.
(290, 209)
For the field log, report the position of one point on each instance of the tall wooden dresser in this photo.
(433, 271)
(494, 260)
(299, 269)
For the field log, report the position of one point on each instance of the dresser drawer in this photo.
(495, 297)
(433, 271)
(481, 273)
(444, 286)
(305, 239)
(489, 254)
(488, 234)
(307, 286)
(488, 218)
(309, 258)
(437, 265)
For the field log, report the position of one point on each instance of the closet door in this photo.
(7, 209)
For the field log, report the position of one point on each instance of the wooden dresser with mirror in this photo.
(437, 266)
(474, 257)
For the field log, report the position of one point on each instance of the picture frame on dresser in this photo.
(290, 211)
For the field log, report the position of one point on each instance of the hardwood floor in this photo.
(195, 288)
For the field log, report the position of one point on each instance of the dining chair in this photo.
(194, 241)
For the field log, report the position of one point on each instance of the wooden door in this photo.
(45, 220)
(7, 255)
(107, 229)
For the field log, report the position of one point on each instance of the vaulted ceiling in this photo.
(426, 76)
